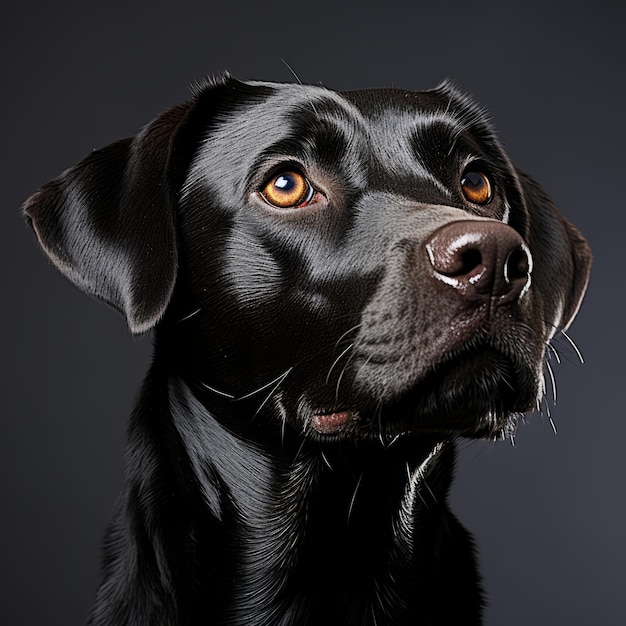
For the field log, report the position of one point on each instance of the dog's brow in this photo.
(393, 134)
(242, 136)
(317, 98)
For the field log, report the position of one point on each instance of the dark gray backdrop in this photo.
(548, 514)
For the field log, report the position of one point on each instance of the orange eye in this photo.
(476, 187)
(288, 190)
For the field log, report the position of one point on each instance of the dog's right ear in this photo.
(108, 223)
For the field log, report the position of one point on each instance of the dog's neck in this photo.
(333, 517)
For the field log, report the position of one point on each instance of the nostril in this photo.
(454, 258)
(517, 265)
(470, 260)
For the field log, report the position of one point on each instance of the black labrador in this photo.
(340, 285)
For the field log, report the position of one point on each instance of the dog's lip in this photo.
(337, 421)
(474, 391)
(499, 384)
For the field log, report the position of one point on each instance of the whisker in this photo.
(379, 419)
(553, 381)
(343, 371)
(416, 486)
(347, 333)
(301, 447)
(393, 441)
(548, 413)
(554, 351)
(337, 361)
(271, 393)
(330, 467)
(183, 319)
(409, 475)
(217, 391)
(365, 363)
(351, 346)
(300, 83)
(283, 425)
(278, 378)
(578, 353)
(430, 491)
(339, 379)
(552, 424)
(352, 500)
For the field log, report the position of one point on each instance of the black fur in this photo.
(292, 448)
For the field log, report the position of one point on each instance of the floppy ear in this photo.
(561, 248)
(582, 258)
(108, 222)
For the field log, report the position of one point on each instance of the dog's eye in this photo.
(476, 187)
(288, 190)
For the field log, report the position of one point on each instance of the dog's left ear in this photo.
(560, 248)
(108, 222)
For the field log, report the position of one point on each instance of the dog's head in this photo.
(358, 264)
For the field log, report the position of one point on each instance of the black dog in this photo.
(340, 286)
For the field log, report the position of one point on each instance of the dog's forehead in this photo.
(381, 125)
(265, 120)
(378, 111)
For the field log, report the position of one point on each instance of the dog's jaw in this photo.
(478, 390)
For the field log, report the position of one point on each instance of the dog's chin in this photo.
(476, 395)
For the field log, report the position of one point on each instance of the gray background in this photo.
(548, 514)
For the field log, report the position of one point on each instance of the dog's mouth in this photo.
(475, 394)
(335, 422)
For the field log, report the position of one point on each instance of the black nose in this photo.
(481, 259)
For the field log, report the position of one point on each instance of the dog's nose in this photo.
(481, 259)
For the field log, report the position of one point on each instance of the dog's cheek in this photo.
(251, 274)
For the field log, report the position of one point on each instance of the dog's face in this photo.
(359, 264)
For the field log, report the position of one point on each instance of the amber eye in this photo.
(476, 187)
(288, 190)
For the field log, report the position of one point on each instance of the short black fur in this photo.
(292, 448)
